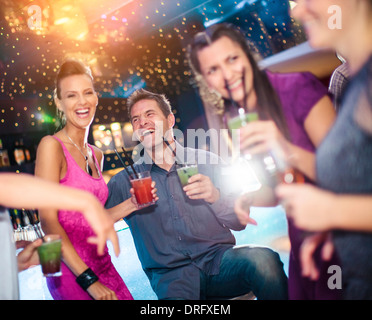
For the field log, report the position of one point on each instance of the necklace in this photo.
(87, 167)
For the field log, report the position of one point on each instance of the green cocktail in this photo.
(241, 120)
(50, 256)
(185, 172)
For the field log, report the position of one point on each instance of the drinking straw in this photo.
(130, 160)
(169, 146)
(230, 94)
(245, 92)
(122, 162)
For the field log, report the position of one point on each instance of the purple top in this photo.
(298, 94)
(78, 230)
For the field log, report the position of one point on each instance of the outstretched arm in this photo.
(318, 210)
(26, 191)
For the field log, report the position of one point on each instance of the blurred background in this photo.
(128, 45)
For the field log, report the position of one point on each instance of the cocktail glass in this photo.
(50, 255)
(185, 172)
(141, 183)
(242, 119)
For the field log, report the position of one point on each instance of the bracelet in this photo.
(86, 279)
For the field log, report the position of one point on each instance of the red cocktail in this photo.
(142, 188)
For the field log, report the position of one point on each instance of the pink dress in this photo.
(78, 230)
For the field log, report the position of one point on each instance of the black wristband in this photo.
(86, 279)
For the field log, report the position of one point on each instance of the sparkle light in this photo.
(128, 44)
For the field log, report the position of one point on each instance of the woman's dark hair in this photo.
(269, 106)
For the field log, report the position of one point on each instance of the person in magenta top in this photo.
(68, 159)
(29, 192)
(295, 114)
(78, 230)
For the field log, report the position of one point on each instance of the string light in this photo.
(139, 39)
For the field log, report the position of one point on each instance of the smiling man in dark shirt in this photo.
(184, 241)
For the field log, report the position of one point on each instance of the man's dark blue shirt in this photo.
(177, 237)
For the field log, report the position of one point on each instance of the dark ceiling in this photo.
(127, 43)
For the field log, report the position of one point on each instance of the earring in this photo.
(61, 117)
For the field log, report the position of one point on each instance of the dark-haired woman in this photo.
(295, 113)
(68, 159)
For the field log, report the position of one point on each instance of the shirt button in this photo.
(179, 238)
(172, 196)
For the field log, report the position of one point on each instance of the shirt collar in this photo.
(148, 162)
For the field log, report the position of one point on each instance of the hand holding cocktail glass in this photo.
(200, 187)
(28, 257)
(45, 251)
(196, 186)
(261, 136)
(260, 139)
(264, 136)
(48, 247)
(185, 171)
(143, 188)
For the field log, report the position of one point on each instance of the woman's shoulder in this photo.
(49, 142)
(49, 146)
(298, 85)
(293, 79)
(298, 92)
(50, 157)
